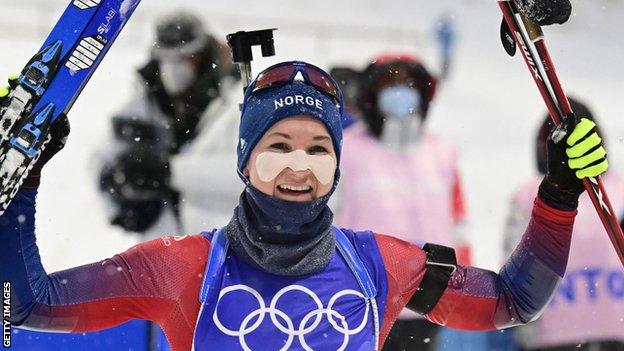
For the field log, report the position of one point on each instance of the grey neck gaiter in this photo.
(282, 237)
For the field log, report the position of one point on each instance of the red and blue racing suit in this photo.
(160, 280)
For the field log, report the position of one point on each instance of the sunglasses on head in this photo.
(285, 73)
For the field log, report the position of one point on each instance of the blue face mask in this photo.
(399, 101)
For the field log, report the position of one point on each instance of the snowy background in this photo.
(489, 106)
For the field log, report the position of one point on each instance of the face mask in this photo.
(270, 164)
(177, 75)
(399, 101)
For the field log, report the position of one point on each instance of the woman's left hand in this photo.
(573, 154)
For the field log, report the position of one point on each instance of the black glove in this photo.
(137, 181)
(59, 132)
(574, 152)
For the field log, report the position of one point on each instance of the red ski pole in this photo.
(559, 108)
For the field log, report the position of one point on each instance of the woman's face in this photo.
(289, 135)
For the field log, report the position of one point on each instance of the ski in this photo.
(51, 82)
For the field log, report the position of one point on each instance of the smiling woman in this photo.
(295, 160)
(323, 288)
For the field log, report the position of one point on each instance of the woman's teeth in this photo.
(297, 188)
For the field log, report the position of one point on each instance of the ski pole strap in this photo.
(441, 264)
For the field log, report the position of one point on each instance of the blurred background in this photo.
(488, 106)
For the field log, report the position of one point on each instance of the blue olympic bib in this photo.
(339, 308)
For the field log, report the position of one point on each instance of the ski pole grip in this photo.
(534, 30)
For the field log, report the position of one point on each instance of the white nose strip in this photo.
(270, 164)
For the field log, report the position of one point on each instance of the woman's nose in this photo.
(298, 175)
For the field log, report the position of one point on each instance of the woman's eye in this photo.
(317, 150)
(280, 146)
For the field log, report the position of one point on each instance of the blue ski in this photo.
(52, 81)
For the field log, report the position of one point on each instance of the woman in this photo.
(278, 276)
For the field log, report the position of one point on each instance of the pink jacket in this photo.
(416, 195)
(589, 304)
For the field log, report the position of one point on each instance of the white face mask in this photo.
(270, 164)
(399, 101)
(177, 75)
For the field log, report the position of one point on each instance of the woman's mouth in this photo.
(294, 189)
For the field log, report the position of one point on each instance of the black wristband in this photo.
(556, 197)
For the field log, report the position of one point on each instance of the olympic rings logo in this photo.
(284, 323)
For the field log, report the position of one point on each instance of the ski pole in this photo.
(594, 186)
(557, 103)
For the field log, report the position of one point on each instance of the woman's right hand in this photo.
(59, 131)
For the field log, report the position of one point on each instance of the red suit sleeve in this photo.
(478, 299)
(405, 267)
(158, 281)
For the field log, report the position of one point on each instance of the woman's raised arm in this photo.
(146, 282)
